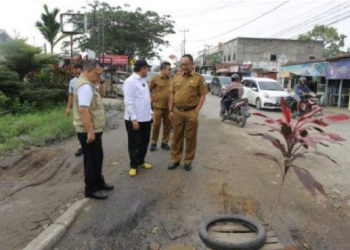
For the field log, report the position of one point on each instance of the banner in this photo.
(306, 69)
(114, 59)
(338, 70)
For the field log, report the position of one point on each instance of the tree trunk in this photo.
(51, 44)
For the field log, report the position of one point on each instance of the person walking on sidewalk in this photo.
(159, 87)
(89, 122)
(138, 116)
(77, 69)
(187, 95)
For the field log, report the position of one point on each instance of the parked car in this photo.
(263, 92)
(219, 84)
(118, 80)
(150, 75)
(208, 79)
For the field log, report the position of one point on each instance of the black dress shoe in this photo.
(165, 146)
(153, 147)
(79, 152)
(105, 187)
(98, 195)
(173, 165)
(188, 167)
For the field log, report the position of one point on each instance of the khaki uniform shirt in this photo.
(159, 87)
(187, 89)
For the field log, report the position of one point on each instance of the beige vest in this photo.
(97, 112)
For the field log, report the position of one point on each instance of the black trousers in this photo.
(93, 161)
(138, 141)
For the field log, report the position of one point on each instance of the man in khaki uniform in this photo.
(159, 87)
(187, 95)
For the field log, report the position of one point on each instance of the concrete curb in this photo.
(51, 235)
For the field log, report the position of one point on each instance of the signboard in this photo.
(282, 59)
(172, 57)
(114, 59)
(338, 70)
(306, 69)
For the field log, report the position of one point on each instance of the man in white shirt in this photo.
(89, 123)
(77, 69)
(138, 116)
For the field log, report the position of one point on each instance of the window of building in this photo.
(224, 58)
(234, 57)
(273, 58)
(311, 57)
(229, 58)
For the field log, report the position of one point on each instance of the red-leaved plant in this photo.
(302, 133)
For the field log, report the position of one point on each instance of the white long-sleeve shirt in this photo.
(137, 99)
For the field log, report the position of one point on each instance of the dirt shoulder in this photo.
(39, 184)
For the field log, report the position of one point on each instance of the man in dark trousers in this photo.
(159, 87)
(138, 116)
(89, 122)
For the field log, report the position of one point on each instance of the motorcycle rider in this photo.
(300, 90)
(226, 100)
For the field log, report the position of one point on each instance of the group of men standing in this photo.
(172, 102)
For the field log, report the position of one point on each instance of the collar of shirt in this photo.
(187, 74)
(83, 76)
(163, 77)
(137, 76)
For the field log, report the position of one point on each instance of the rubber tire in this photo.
(220, 245)
(256, 104)
(222, 117)
(242, 124)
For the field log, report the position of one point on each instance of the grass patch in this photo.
(35, 129)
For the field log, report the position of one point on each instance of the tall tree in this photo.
(333, 41)
(125, 32)
(49, 27)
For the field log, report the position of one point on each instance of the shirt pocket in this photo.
(160, 86)
(178, 86)
(193, 88)
(98, 99)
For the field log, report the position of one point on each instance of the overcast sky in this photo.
(209, 22)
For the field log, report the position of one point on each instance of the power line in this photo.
(245, 24)
(325, 21)
(304, 22)
(289, 21)
(346, 16)
(206, 11)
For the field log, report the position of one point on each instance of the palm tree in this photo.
(49, 27)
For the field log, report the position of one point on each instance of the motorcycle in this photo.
(238, 111)
(309, 102)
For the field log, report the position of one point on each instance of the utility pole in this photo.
(184, 47)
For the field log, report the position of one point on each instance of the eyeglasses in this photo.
(98, 74)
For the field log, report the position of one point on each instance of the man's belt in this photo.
(184, 108)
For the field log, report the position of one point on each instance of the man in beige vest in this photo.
(89, 122)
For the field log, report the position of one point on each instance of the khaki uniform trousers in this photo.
(160, 115)
(185, 126)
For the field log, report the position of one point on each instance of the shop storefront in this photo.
(338, 82)
(315, 73)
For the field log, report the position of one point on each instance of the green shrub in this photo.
(35, 129)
